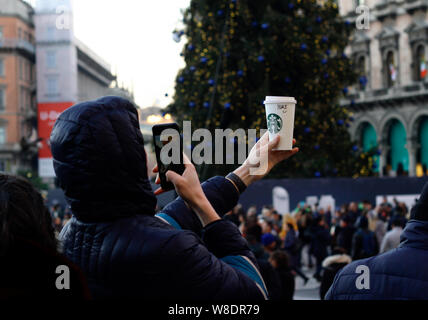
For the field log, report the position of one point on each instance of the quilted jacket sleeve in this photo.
(222, 195)
(221, 267)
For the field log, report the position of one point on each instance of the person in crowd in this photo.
(345, 233)
(392, 237)
(292, 247)
(331, 266)
(29, 255)
(321, 240)
(380, 224)
(364, 242)
(269, 242)
(253, 233)
(252, 212)
(353, 212)
(399, 274)
(186, 251)
(279, 261)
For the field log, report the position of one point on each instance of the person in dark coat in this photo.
(399, 274)
(279, 260)
(364, 243)
(321, 239)
(331, 266)
(292, 248)
(185, 252)
(345, 234)
(31, 266)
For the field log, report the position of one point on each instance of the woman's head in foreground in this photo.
(23, 215)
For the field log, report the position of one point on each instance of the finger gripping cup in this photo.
(280, 120)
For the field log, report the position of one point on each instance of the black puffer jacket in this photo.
(115, 238)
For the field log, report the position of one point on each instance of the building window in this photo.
(21, 69)
(1, 33)
(2, 99)
(1, 67)
(52, 86)
(362, 72)
(2, 165)
(51, 59)
(391, 69)
(421, 67)
(19, 33)
(2, 135)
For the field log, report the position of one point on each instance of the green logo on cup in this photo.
(274, 123)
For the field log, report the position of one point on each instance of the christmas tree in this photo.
(239, 51)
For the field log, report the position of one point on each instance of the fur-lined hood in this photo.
(337, 258)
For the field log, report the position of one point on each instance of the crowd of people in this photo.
(317, 237)
(200, 247)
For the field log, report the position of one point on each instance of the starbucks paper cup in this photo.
(280, 120)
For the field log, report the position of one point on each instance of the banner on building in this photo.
(47, 115)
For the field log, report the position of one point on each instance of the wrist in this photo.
(243, 172)
(204, 210)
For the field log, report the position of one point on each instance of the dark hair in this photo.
(253, 232)
(23, 215)
(281, 258)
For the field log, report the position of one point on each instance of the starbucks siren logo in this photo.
(274, 123)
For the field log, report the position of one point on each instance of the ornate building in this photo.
(390, 102)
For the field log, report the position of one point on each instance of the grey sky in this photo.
(135, 37)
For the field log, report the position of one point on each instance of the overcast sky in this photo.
(135, 37)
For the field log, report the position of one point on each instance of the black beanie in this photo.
(420, 209)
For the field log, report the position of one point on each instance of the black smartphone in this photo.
(169, 151)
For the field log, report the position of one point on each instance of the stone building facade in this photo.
(390, 101)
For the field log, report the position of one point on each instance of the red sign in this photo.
(47, 115)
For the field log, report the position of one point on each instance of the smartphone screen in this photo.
(169, 151)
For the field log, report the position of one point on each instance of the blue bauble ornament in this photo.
(190, 47)
(307, 130)
(328, 52)
(324, 39)
(319, 19)
(317, 174)
(379, 152)
(220, 12)
(324, 61)
(192, 104)
(206, 104)
(192, 68)
(340, 122)
(227, 105)
(254, 24)
(211, 82)
(240, 73)
(317, 147)
(345, 90)
(287, 80)
(303, 47)
(355, 148)
(326, 75)
(291, 6)
(204, 59)
(261, 58)
(265, 25)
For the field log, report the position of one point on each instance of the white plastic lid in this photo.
(271, 99)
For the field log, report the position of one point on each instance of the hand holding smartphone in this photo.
(163, 135)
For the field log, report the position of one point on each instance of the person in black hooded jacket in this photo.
(185, 252)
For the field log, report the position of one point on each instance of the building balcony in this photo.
(364, 99)
(18, 44)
